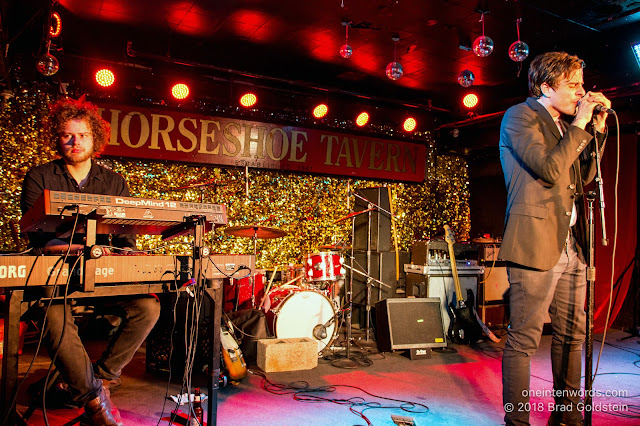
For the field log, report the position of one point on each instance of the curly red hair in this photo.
(65, 110)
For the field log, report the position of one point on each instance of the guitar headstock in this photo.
(449, 237)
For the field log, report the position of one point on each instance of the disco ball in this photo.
(47, 64)
(518, 51)
(346, 51)
(394, 70)
(466, 78)
(483, 46)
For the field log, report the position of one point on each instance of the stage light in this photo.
(320, 111)
(180, 91)
(409, 124)
(56, 25)
(636, 51)
(248, 100)
(105, 77)
(470, 100)
(363, 119)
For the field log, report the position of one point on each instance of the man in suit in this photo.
(79, 134)
(546, 161)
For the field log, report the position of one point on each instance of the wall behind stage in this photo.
(306, 206)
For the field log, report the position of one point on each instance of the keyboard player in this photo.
(78, 133)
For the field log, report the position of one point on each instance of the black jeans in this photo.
(560, 292)
(139, 314)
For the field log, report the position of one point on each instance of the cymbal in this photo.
(257, 231)
(352, 214)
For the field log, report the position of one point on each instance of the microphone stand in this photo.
(347, 362)
(591, 279)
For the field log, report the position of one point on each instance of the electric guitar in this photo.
(232, 355)
(465, 326)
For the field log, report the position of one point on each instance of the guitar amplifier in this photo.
(409, 324)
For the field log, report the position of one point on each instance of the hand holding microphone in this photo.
(600, 108)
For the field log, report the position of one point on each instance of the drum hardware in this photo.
(255, 232)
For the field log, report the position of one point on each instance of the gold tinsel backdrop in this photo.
(306, 206)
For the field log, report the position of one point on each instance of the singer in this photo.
(546, 161)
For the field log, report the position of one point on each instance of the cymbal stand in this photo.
(253, 275)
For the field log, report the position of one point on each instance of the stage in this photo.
(457, 386)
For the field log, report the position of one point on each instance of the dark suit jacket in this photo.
(543, 171)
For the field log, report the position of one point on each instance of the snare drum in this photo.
(324, 266)
(301, 313)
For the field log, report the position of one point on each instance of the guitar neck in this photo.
(454, 273)
(452, 259)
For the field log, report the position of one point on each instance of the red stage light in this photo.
(56, 25)
(248, 100)
(105, 77)
(320, 111)
(180, 91)
(470, 100)
(362, 119)
(409, 124)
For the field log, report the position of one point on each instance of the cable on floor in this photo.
(301, 391)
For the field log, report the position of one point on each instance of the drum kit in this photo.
(307, 303)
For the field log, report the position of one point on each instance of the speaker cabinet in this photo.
(442, 287)
(409, 323)
(380, 221)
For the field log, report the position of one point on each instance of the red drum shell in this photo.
(324, 266)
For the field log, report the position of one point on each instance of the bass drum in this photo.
(301, 313)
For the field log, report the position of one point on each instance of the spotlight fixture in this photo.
(636, 51)
(362, 119)
(105, 77)
(409, 124)
(248, 100)
(470, 100)
(320, 111)
(394, 69)
(180, 91)
(56, 25)
(345, 50)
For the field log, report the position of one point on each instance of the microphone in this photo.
(600, 108)
(320, 332)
